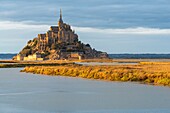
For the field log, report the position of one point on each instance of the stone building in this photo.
(57, 34)
(20, 57)
(34, 57)
(76, 55)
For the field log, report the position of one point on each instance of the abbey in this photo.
(57, 34)
(59, 42)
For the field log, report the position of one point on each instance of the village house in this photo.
(76, 55)
(34, 57)
(20, 57)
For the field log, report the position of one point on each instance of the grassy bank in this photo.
(15, 65)
(145, 72)
(8, 61)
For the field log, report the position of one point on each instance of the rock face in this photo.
(59, 42)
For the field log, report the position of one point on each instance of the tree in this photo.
(26, 52)
(29, 41)
(88, 45)
(27, 47)
(35, 43)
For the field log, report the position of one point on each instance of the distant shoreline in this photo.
(120, 60)
(9, 56)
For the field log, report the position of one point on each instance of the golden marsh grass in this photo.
(150, 73)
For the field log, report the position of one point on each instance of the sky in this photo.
(113, 26)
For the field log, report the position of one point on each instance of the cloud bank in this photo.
(90, 13)
(109, 25)
(9, 25)
(137, 30)
(129, 40)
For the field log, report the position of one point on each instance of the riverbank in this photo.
(146, 72)
(15, 64)
(8, 61)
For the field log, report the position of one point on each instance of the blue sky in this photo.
(114, 26)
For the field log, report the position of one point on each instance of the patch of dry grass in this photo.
(158, 74)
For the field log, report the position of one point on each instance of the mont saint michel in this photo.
(58, 43)
(93, 56)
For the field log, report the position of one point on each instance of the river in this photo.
(31, 93)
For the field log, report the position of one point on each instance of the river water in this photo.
(29, 93)
(106, 63)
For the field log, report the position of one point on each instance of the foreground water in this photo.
(28, 93)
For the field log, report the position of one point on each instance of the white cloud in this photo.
(9, 25)
(138, 30)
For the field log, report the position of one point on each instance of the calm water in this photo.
(105, 63)
(28, 93)
(6, 56)
(140, 56)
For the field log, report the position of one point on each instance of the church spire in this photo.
(61, 20)
(60, 14)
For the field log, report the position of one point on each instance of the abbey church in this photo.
(57, 34)
(59, 42)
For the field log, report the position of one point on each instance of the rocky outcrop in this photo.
(59, 42)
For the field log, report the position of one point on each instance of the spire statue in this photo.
(60, 13)
(60, 20)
